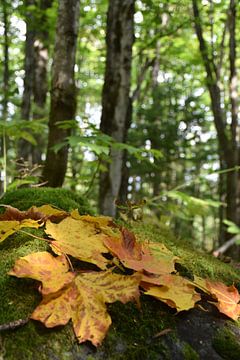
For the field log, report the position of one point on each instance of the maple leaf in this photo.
(228, 298)
(80, 239)
(50, 212)
(176, 291)
(53, 272)
(9, 227)
(80, 297)
(41, 213)
(103, 223)
(84, 301)
(138, 256)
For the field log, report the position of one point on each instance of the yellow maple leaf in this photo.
(9, 227)
(50, 211)
(80, 297)
(52, 271)
(175, 291)
(80, 239)
(84, 301)
(139, 256)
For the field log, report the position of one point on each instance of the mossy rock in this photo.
(135, 334)
(64, 199)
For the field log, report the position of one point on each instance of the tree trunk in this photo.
(24, 147)
(115, 97)
(227, 145)
(3, 184)
(63, 92)
(40, 86)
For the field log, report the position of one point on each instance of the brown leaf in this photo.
(138, 256)
(35, 213)
(228, 298)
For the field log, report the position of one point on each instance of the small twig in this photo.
(35, 236)
(13, 324)
(93, 178)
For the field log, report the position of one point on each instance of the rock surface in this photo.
(152, 332)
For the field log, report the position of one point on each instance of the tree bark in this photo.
(227, 144)
(115, 96)
(63, 92)
(3, 184)
(24, 147)
(40, 85)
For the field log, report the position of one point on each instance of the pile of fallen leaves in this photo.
(70, 292)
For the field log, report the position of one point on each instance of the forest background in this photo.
(127, 101)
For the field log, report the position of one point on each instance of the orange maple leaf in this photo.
(52, 271)
(138, 256)
(228, 298)
(80, 297)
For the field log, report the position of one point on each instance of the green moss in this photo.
(194, 261)
(189, 353)
(134, 332)
(226, 344)
(64, 199)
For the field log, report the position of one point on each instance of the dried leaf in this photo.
(41, 213)
(103, 223)
(9, 227)
(176, 291)
(53, 272)
(50, 212)
(78, 238)
(81, 297)
(139, 256)
(228, 298)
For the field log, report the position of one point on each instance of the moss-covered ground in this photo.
(135, 333)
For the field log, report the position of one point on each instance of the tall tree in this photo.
(5, 98)
(227, 138)
(63, 92)
(35, 68)
(115, 96)
(24, 147)
(40, 83)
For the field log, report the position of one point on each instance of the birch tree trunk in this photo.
(115, 96)
(63, 94)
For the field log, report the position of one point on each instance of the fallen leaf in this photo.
(176, 291)
(51, 213)
(80, 239)
(103, 223)
(53, 272)
(9, 227)
(138, 256)
(41, 213)
(228, 298)
(82, 298)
